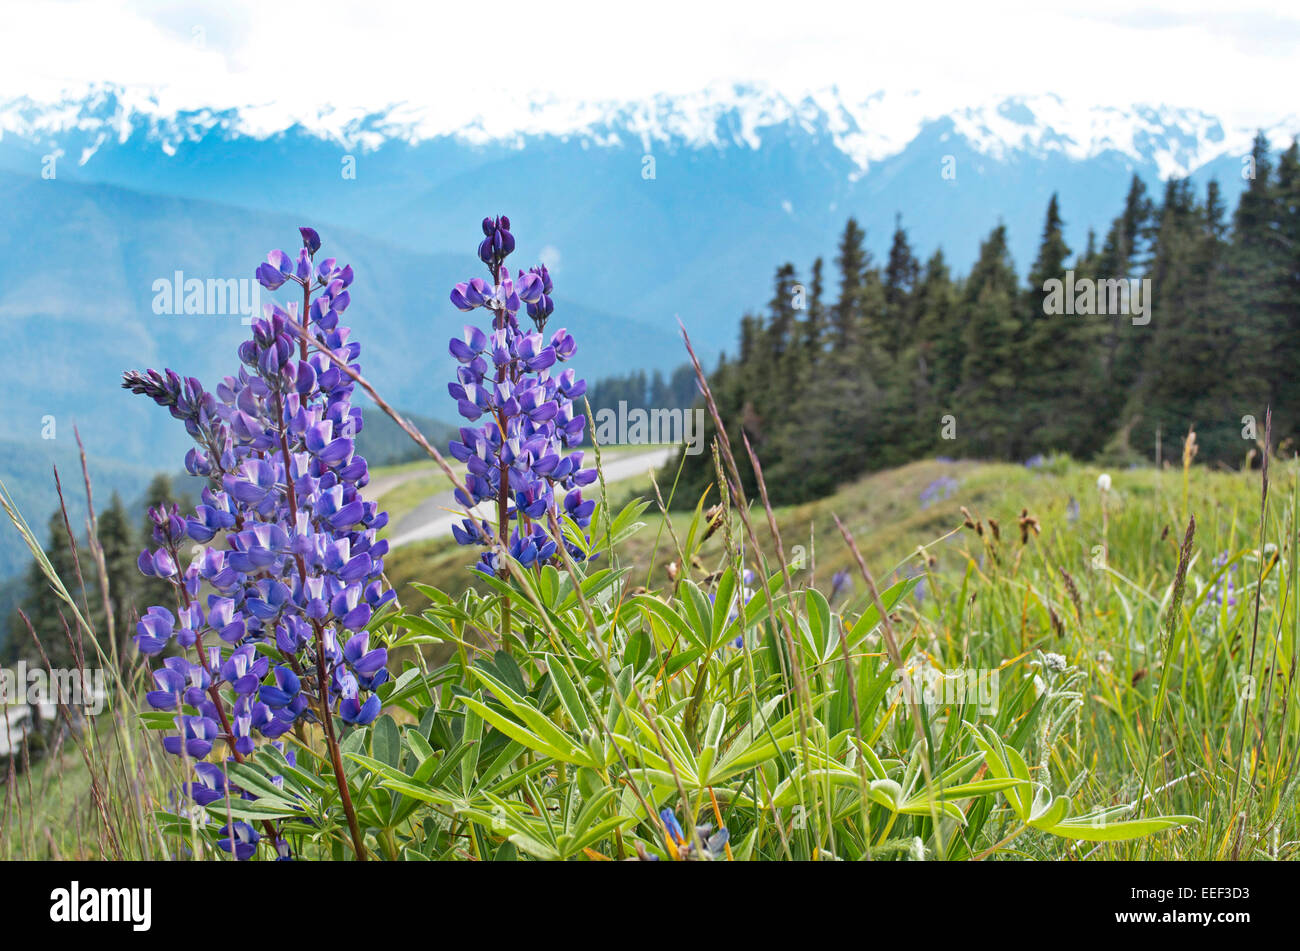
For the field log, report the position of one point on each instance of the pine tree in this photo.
(938, 335)
(862, 382)
(988, 422)
(853, 261)
(1287, 210)
(815, 326)
(53, 622)
(1059, 351)
(1258, 269)
(1120, 348)
(120, 554)
(783, 315)
(902, 273)
(1224, 397)
(1169, 389)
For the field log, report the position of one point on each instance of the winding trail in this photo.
(434, 517)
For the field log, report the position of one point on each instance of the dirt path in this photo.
(434, 517)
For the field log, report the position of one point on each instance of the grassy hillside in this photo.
(1067, 608)
(893, 513)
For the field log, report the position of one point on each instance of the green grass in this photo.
(1121, 696)
(994, 603)
(883, 511)
(77, 779)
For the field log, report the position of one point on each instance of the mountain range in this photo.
(645, 212)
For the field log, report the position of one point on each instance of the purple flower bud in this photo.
(529, 288)
(310, 240)
(564, 344)
(352, 710)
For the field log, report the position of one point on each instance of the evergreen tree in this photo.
(1259, 267)
(938, 355)
(120, 554)
(853, 261)
(1120, 349)
(902, 274)
(815, 325)
(1169, 389)
(781, 324)
(863, 382)
(1287, 211)
(989, 420)
(52, 620)
(1059, 348)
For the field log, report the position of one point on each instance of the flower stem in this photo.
(503, 527)
(340, 780)
(1004, 842)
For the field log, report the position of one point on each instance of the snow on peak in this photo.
(866, 130)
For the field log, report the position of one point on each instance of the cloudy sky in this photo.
(1233, 58)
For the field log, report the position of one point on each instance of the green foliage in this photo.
(827, 391)
(620, 693)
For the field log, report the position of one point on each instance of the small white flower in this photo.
(1103, 482)
(1054, 661)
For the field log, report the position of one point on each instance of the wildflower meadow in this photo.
(448, 453)
(581, 700)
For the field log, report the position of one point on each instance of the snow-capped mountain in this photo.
(1177, 141)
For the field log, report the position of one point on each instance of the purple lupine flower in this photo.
(239, 838)
(714, 844)
(672, 828)
(740, 600)
(841, 581)
(211, 785)
(289, 553)
(169, 688)
(519, 456)
(938, 490)
(1224, 591)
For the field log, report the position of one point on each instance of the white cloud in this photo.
(457, 64)
(550, 256)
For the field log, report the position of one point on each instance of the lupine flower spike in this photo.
(287, 553)
(518, 458)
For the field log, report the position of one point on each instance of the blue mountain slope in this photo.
(742, 182)
(27, 470)
(78, 264)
